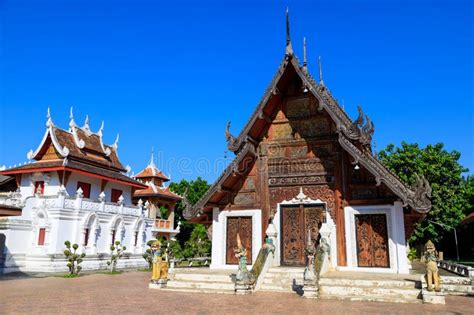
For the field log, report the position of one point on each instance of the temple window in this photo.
(41, 236)
(113, 237)
(86, 189)
(136, 238)
(116, 193)
(86, 237)
(39, 187)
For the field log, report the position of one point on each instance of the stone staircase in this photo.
(370, 288)
(457, 285)
(283, 279)
(201, 280)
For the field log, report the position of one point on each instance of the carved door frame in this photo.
(395, 232)
(220, 233)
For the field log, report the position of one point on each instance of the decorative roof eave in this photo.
(104, 148)
(63, 151)
(72, 125)
(235, 143)
(191, 211)
(417, 197)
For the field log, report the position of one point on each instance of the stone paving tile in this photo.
(129, 293)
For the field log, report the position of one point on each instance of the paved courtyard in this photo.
(129, 293)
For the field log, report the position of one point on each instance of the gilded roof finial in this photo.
(289, 48)
(304, 55)
(321, 82)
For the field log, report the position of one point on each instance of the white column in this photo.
(399, 238)
(217, 232)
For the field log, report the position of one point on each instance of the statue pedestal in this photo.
(242, 289)
(432, 297)
(157, 284)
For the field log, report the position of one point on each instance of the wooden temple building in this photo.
(301, 161)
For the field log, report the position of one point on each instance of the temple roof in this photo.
(152, 171)
(154, 191)
(77, 149)
(354, 136)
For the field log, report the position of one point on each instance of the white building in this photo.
(75, 190)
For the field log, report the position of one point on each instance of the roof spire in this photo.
(321, 82)
(49, 120)
(71, 117)
(289, 48)
(152, 159)
(304, 55)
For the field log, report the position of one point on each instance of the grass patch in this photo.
(115, 272)
(144, 270)
(70, 276)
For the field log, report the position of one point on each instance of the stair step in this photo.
(367, 298)
(200, 290)
(366, 291)
(202, 277)
(200, 285)
(369, 283)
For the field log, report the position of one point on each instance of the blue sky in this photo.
(170, 74)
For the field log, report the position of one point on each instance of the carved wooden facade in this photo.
(300, 137)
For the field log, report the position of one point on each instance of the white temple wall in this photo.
(21, 251)
(71, 186)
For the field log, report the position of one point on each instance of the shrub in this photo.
(116, 252)
(148, 255)
(74, 259)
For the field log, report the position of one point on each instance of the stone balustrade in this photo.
(459, 269)
(77, 203)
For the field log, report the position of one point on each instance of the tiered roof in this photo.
(77, 149)
(154, 179)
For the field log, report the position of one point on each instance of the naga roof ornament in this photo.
(360, 131)
(233, 143)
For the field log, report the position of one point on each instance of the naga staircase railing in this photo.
(261, 265)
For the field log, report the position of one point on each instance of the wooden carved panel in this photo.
(298, 108)
(314, 217)
(372, 240)
(322, 192)
(292, 236)
(297, 222)
(282, 131)
(244, 199)
(242, 226)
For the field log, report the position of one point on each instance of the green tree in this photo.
(196, 189)
(444, 172)
(198, 244)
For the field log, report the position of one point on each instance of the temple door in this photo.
(372, 240)
(242, 226)
(296, 222)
